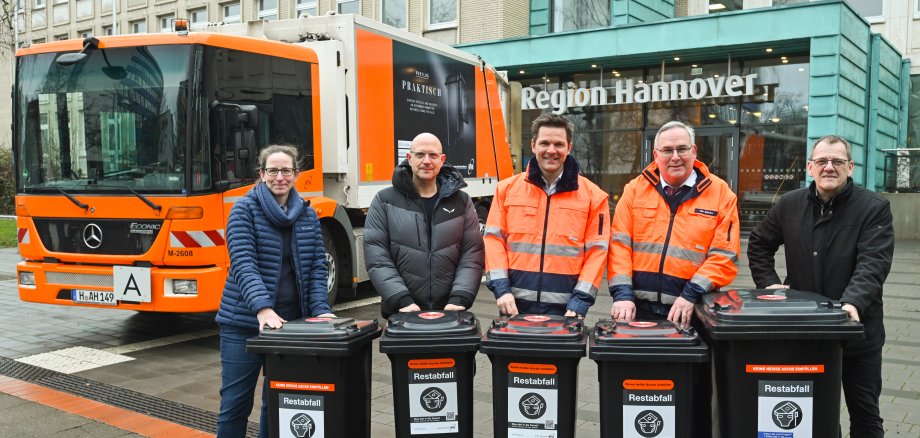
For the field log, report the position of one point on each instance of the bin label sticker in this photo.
(784, 369)
(784, 409)
(649, 411)
(433, 407)
(533, 402)
(300, 416)
(302, 386)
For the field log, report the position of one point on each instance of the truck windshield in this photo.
(115, 121)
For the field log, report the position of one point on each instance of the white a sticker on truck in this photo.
(784, 408)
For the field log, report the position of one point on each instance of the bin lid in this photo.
(774, 310)
(651, 333)
(315, 337)
(431, 323)
(646, 341)
(320, 329)
(549, 327)
(535, 335)
(440, 331)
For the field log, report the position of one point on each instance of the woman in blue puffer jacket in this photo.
(277, 273)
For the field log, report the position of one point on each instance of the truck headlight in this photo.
(185, 287)
(26, 278)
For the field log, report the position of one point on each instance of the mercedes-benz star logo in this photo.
(92, 236)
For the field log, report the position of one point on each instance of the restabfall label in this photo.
(648, 408)
(433, 401)
(300, 416)
(533, 402)
(784, 409)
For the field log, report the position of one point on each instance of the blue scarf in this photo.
(272, 209)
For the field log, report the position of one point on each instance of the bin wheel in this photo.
(333, 264)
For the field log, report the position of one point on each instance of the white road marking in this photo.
(74, 359)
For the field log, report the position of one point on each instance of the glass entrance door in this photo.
(715, 147)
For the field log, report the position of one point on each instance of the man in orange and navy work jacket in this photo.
(674, 235)
(547, 233)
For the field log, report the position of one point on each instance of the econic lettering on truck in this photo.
(131, 150)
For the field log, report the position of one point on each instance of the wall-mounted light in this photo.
(716, 6)
(593, 65)
(769, 50)
(677, 58)
(522, 72)
(712, 116)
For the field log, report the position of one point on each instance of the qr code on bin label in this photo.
(451, 416)
(550, 424)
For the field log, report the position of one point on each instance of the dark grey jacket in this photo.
(842, 249)
(410, 260)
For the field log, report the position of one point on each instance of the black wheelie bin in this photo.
(777, 355)
(319, 374)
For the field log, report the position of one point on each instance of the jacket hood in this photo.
(449, 180)
(567, 183)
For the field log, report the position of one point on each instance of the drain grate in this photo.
(163, 409)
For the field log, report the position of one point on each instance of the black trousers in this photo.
(862, 385)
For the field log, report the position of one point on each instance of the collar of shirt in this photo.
(550, 188)
(689, 182)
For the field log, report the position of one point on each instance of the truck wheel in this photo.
(333, 264)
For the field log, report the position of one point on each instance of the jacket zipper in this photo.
(543, 248)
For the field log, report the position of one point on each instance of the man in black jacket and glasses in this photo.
(839, 242)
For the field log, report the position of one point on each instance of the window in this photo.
(61, 13)
(166, 23)
(348, 6)
(38, 4)
(268, 10)
(105, 6)
(580, 14)
(139, 26)
(84, 8)
(307, 7)
(230, 13)
(38, 19)
(870, 9)
(394, 13)
(106, 30)
(86, 33)
(442, 13)
(38, 41)
(60, 37)
(198, 18)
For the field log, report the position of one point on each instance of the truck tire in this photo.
(333, 265)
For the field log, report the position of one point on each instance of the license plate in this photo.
(94, 297)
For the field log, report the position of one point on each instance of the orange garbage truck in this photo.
(131, 150)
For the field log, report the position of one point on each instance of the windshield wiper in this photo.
(74, 200)
(149, 203)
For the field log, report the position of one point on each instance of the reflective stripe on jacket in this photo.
(658, 255)
(549, 251)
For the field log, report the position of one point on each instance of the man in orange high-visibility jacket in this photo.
(674, 234)
(547, 233)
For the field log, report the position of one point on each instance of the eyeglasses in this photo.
(682, 151)
(821, 162)
(271, 171)
(433, 156)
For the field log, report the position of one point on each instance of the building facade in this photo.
(760, 81)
